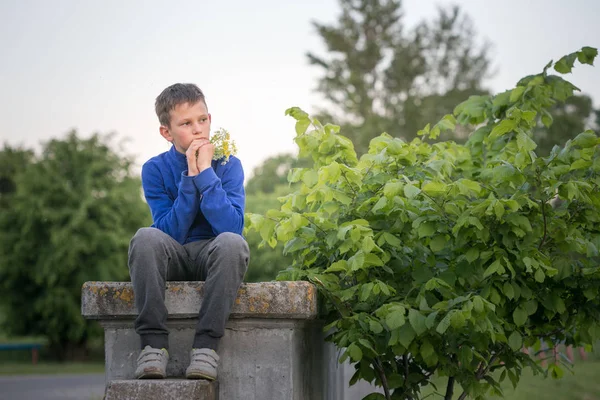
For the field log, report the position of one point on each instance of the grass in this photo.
(582, 384)
(44, 368)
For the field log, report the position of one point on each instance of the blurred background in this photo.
(79, 80)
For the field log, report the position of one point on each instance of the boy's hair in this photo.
(175, 95)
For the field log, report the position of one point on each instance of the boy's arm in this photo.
(223, 200)
(172, 217)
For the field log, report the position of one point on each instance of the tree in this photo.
(268, 182)
(271, 173)
(440, 258)
(12, 161)
(265, 262)
(71, 215)
(381, 77)
(569, 118)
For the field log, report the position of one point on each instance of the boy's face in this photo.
(188, 122)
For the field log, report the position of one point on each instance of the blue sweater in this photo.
(193, 208)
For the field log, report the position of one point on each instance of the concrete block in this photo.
(161, 389)
(260, 359)
(286, 300)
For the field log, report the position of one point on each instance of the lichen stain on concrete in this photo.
(175, 289)
(125, 295)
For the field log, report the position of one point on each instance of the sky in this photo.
(97, 66)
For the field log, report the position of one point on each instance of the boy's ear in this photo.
(164, 132)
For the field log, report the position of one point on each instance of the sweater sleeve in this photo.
(172, 217)
(223, 199)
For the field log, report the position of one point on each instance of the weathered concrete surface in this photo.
(286, 300)
(163, 389)
(260, 359)
(272, 348)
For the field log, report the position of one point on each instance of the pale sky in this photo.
(97, 66)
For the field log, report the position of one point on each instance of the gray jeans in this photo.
(155, 257)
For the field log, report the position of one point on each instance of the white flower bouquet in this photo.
(224, 146)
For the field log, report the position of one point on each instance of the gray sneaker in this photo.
(152, 363)
(203, 364)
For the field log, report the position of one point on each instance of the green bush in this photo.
(447, 259)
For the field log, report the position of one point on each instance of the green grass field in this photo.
(21, 368)
(582, 384)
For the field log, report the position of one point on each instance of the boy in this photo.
(197, 207)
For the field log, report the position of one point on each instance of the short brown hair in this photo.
(174, 95)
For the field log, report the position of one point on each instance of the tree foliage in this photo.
(69, 217)
(440, 258)
(567, 118)
(380, 76)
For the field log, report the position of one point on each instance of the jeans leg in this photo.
(154, 258)
(223, 262)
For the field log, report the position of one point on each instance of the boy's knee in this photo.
(232, 242)
(145, 238)
(233, 245)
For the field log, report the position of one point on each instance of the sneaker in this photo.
(203, 364)
(152, 363)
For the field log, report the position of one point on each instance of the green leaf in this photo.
(565, 64)
(302, 125)
(355, 352)
(525, 142)
(357, 261)
(478, 304)
(438, 243)
(395, 319)
(411, 191)
(531, 306)
(539, 275)
(587, 55)
(556, 371)
(516, 93)
(406, 334)
(515, 341)
(427, 229)
(426, 350)
(380, 204)
(375, 327)
(492, 269)
(392, 189)
(434, 189)
(338, 266)
(547, 118)
(444, 324)
(368, 244)
(417, 321)
(505, 126)
(519, 316)
(391, 239)
(465, 354)
(508, 290)
(472, 254)
(585, 140)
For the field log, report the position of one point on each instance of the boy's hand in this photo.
(191, 154)
(206, 150)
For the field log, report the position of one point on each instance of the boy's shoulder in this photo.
(157, 160)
